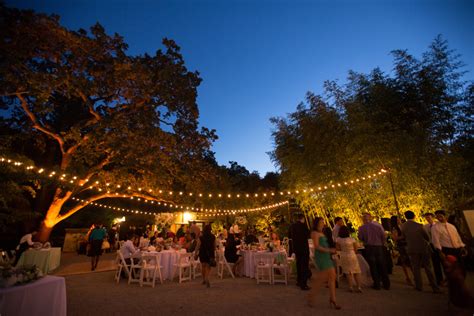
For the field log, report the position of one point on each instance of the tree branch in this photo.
(72, 149)
(14, 93)
(86, 100)
(37, 124)
(96, 169)
(94, 198)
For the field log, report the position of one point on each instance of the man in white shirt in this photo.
(128, 249)
(338, 222)
(435, 258)
(445, 238)
(25, 242)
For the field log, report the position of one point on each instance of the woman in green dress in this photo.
(324, 264)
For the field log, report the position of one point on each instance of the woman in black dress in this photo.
(230, 252)
(206, 248)
(400, 246)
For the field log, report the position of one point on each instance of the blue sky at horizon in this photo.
(258, 59)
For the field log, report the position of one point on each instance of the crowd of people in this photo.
(435, 244)
(435, 247)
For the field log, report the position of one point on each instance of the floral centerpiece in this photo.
(10, 276)
(164, 220)
(241, 220)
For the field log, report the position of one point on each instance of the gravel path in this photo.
(97, 293)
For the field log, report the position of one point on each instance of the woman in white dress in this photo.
(349, 262)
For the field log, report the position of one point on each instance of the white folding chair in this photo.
(150, 268)
(281, 267)
(183, 267)
(196, 266)
(135, 270)
(121, 265)
(222, 264)
(263, 267)
(337, 260)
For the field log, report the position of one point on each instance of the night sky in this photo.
(259, 58)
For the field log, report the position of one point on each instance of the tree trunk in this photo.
(44, 232)
(50, 220)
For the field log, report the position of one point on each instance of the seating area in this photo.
(146, 268)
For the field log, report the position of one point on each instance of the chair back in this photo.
(263, 258)
(184, 258)
(120, 260)
(150, 259)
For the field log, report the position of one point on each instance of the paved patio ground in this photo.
(97, 293)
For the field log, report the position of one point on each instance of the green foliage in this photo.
(78, 103)
(416, 122)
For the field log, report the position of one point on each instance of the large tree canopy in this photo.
(416, 121)
(78, 103)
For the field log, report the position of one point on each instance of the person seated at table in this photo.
(250, 237)
(276, 240)
(192, 243)
(230, 251)
(128, 249)
(153, 238)
(183, 240)
(144, 242)
(26, 242)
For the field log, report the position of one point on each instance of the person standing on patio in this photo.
(25, 242)
(96, 238)
(206, 248)
(338, 222)
(195, 229)
(299, 235)
(446, 239)
(418, 250)
(324, 263)
(435, 258)
(373, 237)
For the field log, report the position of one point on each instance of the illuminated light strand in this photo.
(115, 208)
(95, 185)
(211, 212)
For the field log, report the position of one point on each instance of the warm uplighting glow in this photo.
(187, 217)
(119, 220)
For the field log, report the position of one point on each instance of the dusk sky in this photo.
(258, 59)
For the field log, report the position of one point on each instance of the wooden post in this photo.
(394, 194)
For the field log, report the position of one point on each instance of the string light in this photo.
(203, 210)
(73, 179)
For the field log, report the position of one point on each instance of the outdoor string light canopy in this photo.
(73, 179)
(208, 212)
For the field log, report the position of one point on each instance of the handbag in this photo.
(105, 245)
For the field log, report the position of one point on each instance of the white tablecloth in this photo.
(47, 296)
(45, 259)
(249, 257)
(168, 259)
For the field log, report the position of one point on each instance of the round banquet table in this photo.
(249, 257)
(46, 259)
(168, 259)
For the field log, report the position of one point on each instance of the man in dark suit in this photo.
(419, 251)
(299, 235)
